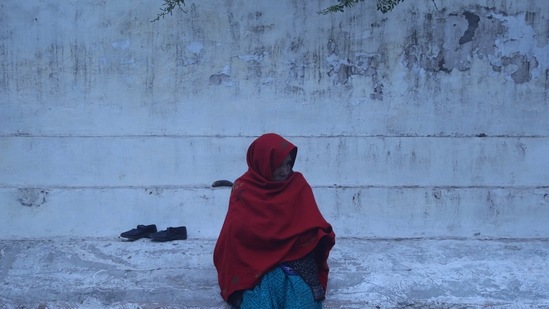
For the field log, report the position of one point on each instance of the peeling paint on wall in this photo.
(472, 21)
(520, 66)
(452, 40)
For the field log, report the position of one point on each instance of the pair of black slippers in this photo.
(171, 233)
(150, 231)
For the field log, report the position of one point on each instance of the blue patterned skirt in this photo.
(280, 290)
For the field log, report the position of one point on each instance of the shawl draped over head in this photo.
(269, 222)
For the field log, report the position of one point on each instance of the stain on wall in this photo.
(32, 197)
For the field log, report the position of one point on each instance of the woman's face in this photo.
(284, 170)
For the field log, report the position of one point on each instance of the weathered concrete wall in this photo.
(429, 121)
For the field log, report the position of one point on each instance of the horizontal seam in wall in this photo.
(129, 136)
(177, 187)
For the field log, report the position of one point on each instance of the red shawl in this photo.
(268, 222)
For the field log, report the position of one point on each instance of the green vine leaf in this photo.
(384, 6)
(168, 7)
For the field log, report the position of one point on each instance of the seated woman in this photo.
(273, 248)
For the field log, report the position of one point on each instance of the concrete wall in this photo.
(429, 121)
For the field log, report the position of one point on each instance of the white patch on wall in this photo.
(122, 45)
(195, 47)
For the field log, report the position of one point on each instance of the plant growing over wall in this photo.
(382, 5)
(168, 7)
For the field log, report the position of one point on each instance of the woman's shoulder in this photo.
(298, 178)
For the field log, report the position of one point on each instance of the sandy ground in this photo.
(365, 273)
